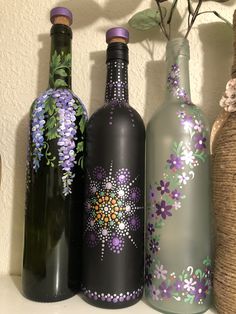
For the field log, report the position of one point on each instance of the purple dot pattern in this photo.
(114, 298)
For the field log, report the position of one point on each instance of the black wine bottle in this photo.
(55, 178)
(114, 208)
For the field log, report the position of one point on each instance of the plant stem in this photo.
(190, 12)
(216, 14)
(171, 15)
(162, 20)
(195, 14)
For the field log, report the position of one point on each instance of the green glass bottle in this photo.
(55, 178)
(178, 246)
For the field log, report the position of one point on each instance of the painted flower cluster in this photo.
(192, 285)
(112, 209)
(165, 198)
(58, 115)
(173, 84)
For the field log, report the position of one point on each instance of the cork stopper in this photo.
(118, 35)
(233, 73)
(61, 15)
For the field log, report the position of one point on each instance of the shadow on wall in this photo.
(19, 196)
(43, 62)
(217, 45)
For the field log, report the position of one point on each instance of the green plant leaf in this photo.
(146, 19)
(50, 106)
(61, 72)
(60, 83)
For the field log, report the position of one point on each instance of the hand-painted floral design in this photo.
(174, 87)
(165, 198)
(54, 116)
(112, 209)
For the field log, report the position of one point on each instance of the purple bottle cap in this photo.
(115, 32)
(61, 11)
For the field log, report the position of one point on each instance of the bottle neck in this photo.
(117, 73)
(60, 58)
(178, 83)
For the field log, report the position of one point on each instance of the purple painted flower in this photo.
(200, 291)
(154, 246)
(160, 272)
(200, 141)
(179, 285)
(152, 194)
(165, 290)
(155, 293)
(175, 195)
(163, 210)
(116, 244)
(123, 176)
(135, 194)
(99, 173)
(148, 260)
(150, 228)
(175, 162)
(163, 187)
(187, 122)
(148, 278)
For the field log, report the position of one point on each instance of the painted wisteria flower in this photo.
(160, 272)
(37, 128)
(175, 195)
(200, 291)
(155, 293)
(165, 290)
(183, 178)
(163, 210)
(200, 141)
(150, 228)
(188, 157)
(163, 187)
(154, 246)
(189, 284)
(67, 135)
(175, 162)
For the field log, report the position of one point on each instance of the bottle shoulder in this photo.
(118, 115)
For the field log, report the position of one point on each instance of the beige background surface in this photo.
(24, 57)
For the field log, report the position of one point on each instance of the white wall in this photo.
(24, 57)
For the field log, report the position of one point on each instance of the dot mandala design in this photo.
(111, 214)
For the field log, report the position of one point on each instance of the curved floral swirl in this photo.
(165, 198)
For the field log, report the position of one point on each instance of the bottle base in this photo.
(110, 305)
(47, 298)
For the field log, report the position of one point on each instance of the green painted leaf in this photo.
(56, 60)
(61, 72)
(50, 106)
(79, 111)
(67, 60)
(146, 19)
(80, 147)
(60, 83)
(51, 123)
(81, 162)
(82, 125)
(52, 134)
(207, 261)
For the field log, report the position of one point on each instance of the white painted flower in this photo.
(198, 125)
(188, 157)
(183, 178)
(177, 205)
(189, 284)
(160, 272)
